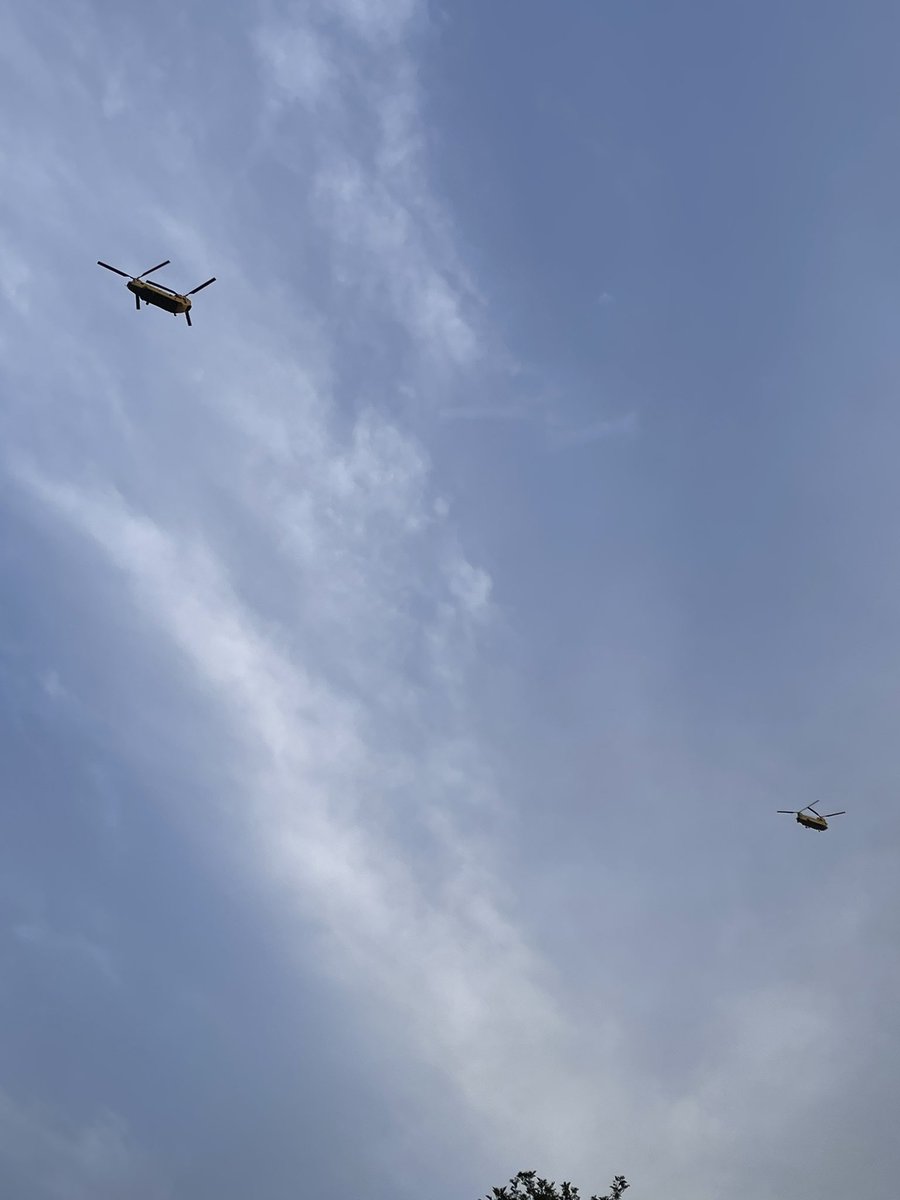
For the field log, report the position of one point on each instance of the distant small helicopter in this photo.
(157, 293)
(814, 821)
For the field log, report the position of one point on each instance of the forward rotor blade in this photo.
(201, 287)
(187, 317)
(156, 268)
(812, 809)
(154, 283)
(137, 302)
(788, 812)
(124, 274)
(837, 814)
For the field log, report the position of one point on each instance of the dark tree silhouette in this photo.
(528, 1185)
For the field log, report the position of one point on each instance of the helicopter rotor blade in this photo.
(187, 317)
(156, 268)
(837, 814)
(124, 274)
(201, 287)
(137, 302)
(788, 812)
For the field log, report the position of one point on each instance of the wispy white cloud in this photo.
(259, 498)
(15, 278)
(560, 432)
(349, 774)
(37, 936)
(44, 1156)
(299, 66)
(437, 950)
(562, 436)
(388, 238)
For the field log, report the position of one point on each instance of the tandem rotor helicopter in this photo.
(157, 293)
(811, 819)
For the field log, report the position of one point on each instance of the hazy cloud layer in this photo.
(400, 669)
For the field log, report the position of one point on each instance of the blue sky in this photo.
(400, 669)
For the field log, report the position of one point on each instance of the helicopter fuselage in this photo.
(151, 293)
(812, 821)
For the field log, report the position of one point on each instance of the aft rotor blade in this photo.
(156, 268)
(788, 812)
(137, 302)
(124, 274)
(201, 287)
(837, 814)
